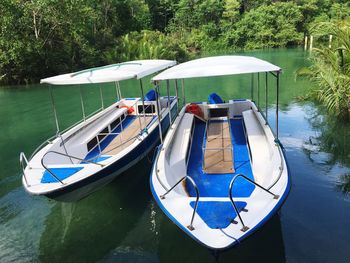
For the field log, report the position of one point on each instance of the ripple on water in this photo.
(22, 220)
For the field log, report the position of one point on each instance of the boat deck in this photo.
(217, 184)
(127, 136)
(218, 149)
(122, 136)
(216, 209)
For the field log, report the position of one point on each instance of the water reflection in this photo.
(88, 230)
(176, 246)
(330, 146)
(343, 183)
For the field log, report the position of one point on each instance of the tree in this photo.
(268, 26)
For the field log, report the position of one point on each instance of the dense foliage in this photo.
(45, 37)
(330, 69)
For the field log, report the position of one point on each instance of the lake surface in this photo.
(122, 223)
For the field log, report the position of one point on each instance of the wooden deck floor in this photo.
(127, 136)
(217, 159)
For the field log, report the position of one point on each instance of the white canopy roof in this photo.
(217, 66)
(128, 70)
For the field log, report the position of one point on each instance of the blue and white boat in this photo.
(220, 173)
(80, 159)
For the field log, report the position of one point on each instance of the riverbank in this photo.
(45, 38)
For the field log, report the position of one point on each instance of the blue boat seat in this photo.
(215, 99)
(150, 95)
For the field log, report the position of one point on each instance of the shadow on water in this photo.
(87, 230)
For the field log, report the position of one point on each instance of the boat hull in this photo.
(76, 191)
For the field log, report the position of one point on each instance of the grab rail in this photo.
(244, 227)
(63, 154)
(190, 226)
(41, 145)
(22, 157)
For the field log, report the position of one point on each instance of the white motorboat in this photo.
(80, 159)
(220, 172)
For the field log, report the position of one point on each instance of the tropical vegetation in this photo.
(46, 37)
(330, 69)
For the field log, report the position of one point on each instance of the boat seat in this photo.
(182, 141)
(256, 136)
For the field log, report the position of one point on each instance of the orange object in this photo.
(194, 109)
(130, 109)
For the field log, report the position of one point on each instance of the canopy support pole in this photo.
(277, 101)
(252, 87)
(183, 92)
(143, 103)
(177, 95)
(54, 110)
(119, 90)
(102, 104)
(169, 103)
(158, 114)
(82, 103)
(116, 91)
(266, 97)
(258, 91)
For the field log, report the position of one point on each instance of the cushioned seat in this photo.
(150, 95)
(215, 99)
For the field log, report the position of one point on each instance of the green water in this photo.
(121, 223)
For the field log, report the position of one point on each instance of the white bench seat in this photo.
(181, 141)
(258, 143)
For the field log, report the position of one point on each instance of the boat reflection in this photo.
(88, 230)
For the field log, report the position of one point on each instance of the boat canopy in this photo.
(217, 66)
(136, 69)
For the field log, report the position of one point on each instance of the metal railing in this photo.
(67, 155)
(244, 227)
(190, 226)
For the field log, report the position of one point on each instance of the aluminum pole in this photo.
(177, 95)
(54, 110)
(252, 87)
(158, 114)
(120, 93)
(183, 92)
(168, 94)
(116, 91)
(82, 103)
(266, 97)
(102, 104)
(277, 101)
(143, 102)
(258, 91)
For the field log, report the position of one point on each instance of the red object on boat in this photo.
(130, 109)
(194, 109)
